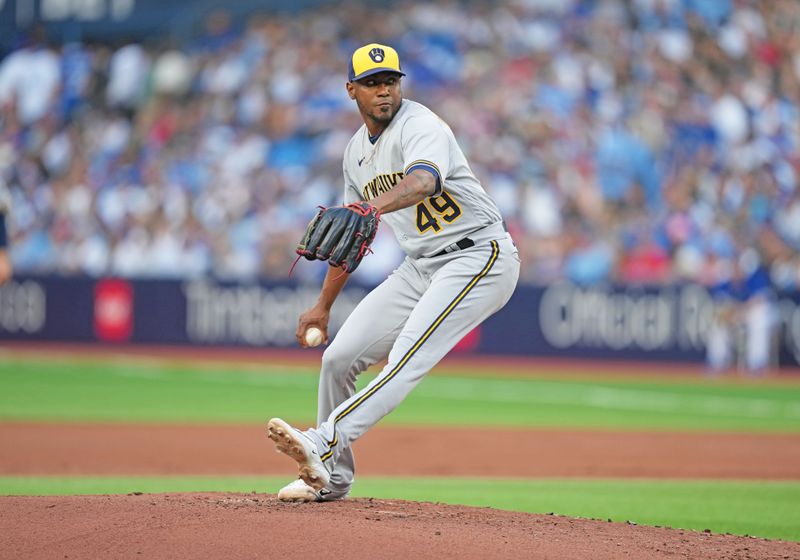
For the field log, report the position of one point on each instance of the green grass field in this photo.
(153, 391)
(144, 390)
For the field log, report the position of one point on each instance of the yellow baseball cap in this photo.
(373, 58)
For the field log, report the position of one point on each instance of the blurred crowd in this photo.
(638, 141)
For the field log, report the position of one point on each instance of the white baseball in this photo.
(313, 336)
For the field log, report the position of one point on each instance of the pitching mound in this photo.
(237, 526)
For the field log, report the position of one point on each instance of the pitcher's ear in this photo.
(351, 90)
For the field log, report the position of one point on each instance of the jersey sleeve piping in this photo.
(431, 168)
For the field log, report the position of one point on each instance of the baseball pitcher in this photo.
(402, 168)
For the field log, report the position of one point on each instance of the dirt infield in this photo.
(257, 525)
(108, 449)
(237, 526)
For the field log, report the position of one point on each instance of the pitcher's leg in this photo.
(462, 294)
(365, 339)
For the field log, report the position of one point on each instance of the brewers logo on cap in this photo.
(373, 58)
(377, 54)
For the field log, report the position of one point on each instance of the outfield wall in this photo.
(665, 324)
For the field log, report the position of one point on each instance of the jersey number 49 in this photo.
(436, 208)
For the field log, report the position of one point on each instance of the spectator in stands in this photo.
(128, 72)
(30, 79)
(5, 260)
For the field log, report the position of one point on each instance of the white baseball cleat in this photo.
(299, 447)
(299, 491)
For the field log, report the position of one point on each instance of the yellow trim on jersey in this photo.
(442, 316)
(424, 162)
(439, 180)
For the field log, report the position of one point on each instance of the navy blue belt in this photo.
(465, 243)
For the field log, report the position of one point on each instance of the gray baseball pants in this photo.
(414, 318)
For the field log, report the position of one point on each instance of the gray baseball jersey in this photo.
(442, 290)
(417, 138)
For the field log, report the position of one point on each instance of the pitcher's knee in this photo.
(339, 364)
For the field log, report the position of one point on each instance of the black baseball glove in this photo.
(340, 235)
